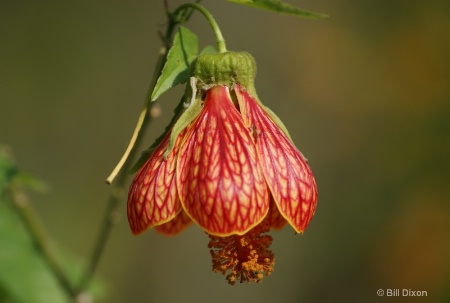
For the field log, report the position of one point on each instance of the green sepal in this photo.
(185, 112)
(280, 7)
(145, 154)
(192, 111)
(176, 69)
(226, 68)
(280, 124)
(273, 117)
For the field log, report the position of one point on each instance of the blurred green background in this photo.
(365, 95)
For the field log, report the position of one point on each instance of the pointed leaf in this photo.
(280, 7)
(180, 56)
(194, 107)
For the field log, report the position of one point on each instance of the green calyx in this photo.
(227, 68)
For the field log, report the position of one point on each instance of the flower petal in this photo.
(288, 175)
(175, 226)
(153, 197)
(220, 183)
(274, 219)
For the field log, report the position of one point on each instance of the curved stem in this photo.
(221, 47)
(41, 240)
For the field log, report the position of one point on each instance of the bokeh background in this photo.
(365, 95)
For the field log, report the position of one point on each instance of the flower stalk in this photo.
(220, 41)
(40, 238)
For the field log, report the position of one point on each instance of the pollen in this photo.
(243, 258)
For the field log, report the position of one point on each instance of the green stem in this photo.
(221, 47)
(41, 240)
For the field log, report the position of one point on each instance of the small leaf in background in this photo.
(280, 7)
(30, 181)
(8, 171)
(7, 168)
(180, 56)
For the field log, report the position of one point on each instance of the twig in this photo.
(41, 240)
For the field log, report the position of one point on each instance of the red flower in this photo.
(235, 172)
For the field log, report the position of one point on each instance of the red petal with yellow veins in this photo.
(174, 226)
(288, 175)
(274, 219)
(153, 197)
(220, 183)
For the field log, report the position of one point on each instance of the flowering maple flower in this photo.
(229, 165)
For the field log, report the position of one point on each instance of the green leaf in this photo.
(146, 153)
(280, 7)
(195, 106)
(3, 297)
(8, 170)
(24, 275)
(180, 56)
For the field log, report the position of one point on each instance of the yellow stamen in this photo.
(243, 258)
